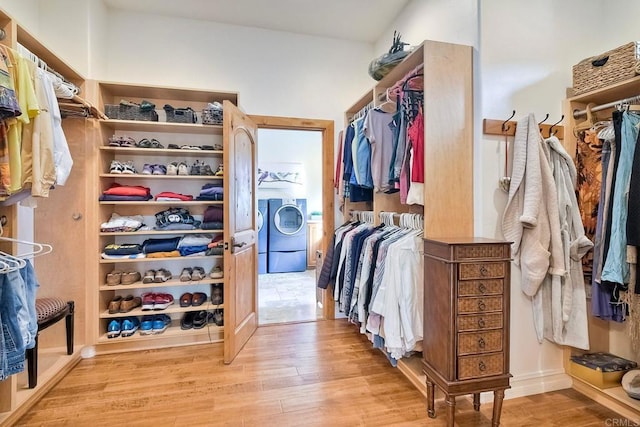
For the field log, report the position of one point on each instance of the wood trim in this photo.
(328, 146)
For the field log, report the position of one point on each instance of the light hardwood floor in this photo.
(305, 374)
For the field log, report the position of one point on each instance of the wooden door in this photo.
(240, 219)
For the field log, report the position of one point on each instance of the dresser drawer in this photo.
(481, 270)
(480, 366)
(470, 288)
(480, 252)
(479, 322)
(479, 342)
(479, 305)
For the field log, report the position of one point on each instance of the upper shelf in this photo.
(165, 127)
(612, 93)
(132, 151)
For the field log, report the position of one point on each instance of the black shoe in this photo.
(187, 320)
(199, 319)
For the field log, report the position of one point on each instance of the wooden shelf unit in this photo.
(448, 146)
(180, 134)
(63, 204)
(600, 330)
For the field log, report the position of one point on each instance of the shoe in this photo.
(185, 275)
(149, 276)
(114, 305)
(218, 318)
(130, 277)
(114, 141)
(187, 320)
(182, 169)
(114, 328)
(159, 170)
(199, 319)
(162, 301)
(116, 167)
(147, 169)
(217, 294)
(114, 278)
(216, 272)
(205, 170)
(185, 299)
(172, 168)
(146, 326)
(195, 168)
(198, 299)
(198, 273)
(129, 326)
(128, 168)
(160, 323)
(162, 275)
(148, 301)
(220, 170)
(129, 303)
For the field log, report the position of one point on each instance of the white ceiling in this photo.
(357, 20)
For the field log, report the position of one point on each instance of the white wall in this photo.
(291, 146)
(98, 30)
(452, 21)
(276, 73)
(23, 11)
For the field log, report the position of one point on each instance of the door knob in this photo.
(76, 216)
(239, 245)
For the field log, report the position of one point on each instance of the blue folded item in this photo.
(213, 225)
(160, 245)
(189, 250)
(211, 197)
(116, 198)
(122, 249)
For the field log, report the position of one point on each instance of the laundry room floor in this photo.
(287, 297)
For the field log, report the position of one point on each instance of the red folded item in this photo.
(184, 197)
(127, 190)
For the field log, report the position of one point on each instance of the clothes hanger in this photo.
(40, 248)
(588, 123)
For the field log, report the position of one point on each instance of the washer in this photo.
(263, 235)
(287, 231)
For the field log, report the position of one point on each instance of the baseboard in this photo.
(534, 383)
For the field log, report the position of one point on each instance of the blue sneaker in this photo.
(146, 326)
(160, 323)
(114, 328)
(129, 326)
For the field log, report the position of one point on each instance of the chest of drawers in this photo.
(466, 320)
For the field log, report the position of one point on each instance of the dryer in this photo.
(287, 231)
(263, 236)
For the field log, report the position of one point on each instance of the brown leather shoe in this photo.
(129, 303)
(198, 299)
(114, 305)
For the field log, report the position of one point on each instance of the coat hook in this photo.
(505, 126)
(543, 120)
(3, 34)
(551, 131)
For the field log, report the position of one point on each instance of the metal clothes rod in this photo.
(636, 98)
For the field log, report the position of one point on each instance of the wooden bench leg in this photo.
(32, 364)
(451, 410)
(498, 396)
(69, 319)
(430, 397)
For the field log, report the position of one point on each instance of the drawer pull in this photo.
(481, 323)
(481, 305)
(481, 343)
(483, 271)
(482, 288)
(482, 366)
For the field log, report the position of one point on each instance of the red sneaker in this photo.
(148, 301)
(162, 301)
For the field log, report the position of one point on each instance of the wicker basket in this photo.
(603, 70)
(129, 112)
(181, 115)
(212, 117)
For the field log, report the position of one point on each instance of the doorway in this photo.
(295, 207)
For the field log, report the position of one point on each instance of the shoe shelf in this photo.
(175, 308)
(159, 232)
(167, 284)
(172, 331)
(166, 127)
(136, 151)
(163, 203)
(177, 258)
(144, 176)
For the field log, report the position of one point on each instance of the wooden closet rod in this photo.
(632, 100)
